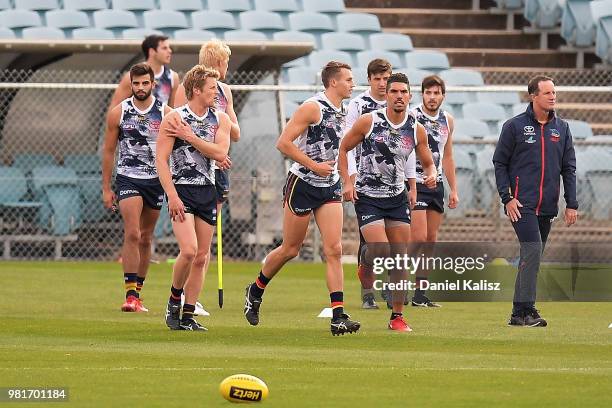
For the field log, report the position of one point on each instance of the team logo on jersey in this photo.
(529, 131)
(554, 135)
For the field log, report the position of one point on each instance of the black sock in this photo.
(129, 280)
(175, 295)
(188, 311)
(394, 315)
(139, 284)
(258, 287)
(337, 304)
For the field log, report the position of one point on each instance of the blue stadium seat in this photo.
(136, 6)
(597, 172)
(332, 7)
(543, 13)
(93, 34)
(14, 185)
(464, 172)
(43, 33)
(487, 190)
(216, 21)
(580, 129)
(519, 108)
(37, 5)
(115, 20)
(462, 77)
(165, 20)
(360, 76)
(266, 22)
(603, 42)
(6, 33)
(289, 107)
(282, 7)
(59, 190)
(415, 76)
(577, 24)
(194, 35)
(244, 35)
(85, 5)
(391, 42)
(435, 61)
(489, 112)
(348, 42)
(84, 164)
(458, 99)
(139, 33)
(313, 23)
(506, 99)
(318, 59)
(474, 128)
(600, 9)
(5, 4)
(183, 5)
(67, 20)
(302, 76)
(509, 4)
(231, 6)
(364, 58)
(448, 109)
(360, 23)
(19, 19)
(298, 36)
(298, 62)
(27, 161)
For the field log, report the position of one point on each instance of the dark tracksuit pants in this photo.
(532, 231)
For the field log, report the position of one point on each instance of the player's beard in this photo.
(143, 98)
(435, 107)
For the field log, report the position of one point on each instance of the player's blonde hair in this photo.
(196, 77)
(213, 53)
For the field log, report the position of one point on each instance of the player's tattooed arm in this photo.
(354, 136)
(111, 136)
(448, 164)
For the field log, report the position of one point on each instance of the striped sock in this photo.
(139, 284)
(129, 280)
(175, 295)
(337, 303)
(188, 311)
(257, 290)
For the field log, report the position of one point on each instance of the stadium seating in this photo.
(139, 33)
(348, 42)
(19, 19)
(577, 24)
(85, 5)
(57, 187)
(462, 77)
(579, 129)
(194, 35)
(88, 169)
(231, 6)
(92, 34)
(313, 23)
(6, 33)
(415, 76)
(506, 99)
(473, 128)
(165, 20)
(318, 59)
(598, 176)
(332, 7)
(27, 161)
(298, 36)
(183, 5)
(216, 21)
(137, 6)
(67, 20)
(359, 23)
(435, 61)
(399, 43)
(364, 57)
(36, 5)
(509, 4)
(302, 76)
(603, 42)
(266, 22)
(487, 190)
(543, 13)
(489, 112)
(43, 33)
(464, 172)
(5, 4)
(360, 76)
(116, 20)
(244, 35)
(14, 185)
(282, 7)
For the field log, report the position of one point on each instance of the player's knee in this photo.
(146, 238)
(132, 236)
(290, 251)
(333, 250)
(201, 258)
(188, 252)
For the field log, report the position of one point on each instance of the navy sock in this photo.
(175, 295)
(257, 289)
(394, 315)
(337, 303)
(188, 311)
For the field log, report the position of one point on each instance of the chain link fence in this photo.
(51, 128)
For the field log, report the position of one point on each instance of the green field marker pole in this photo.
(220, 258)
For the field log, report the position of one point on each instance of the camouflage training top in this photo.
(437, 134)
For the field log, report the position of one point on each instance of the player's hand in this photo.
(348, 192)
(512, 209)
(324, 169)
(430, 181)
(176, 209)
(570, 216)
(453, 199)
(225, 164)
(181, 130)
(108, 198)
(412, 198)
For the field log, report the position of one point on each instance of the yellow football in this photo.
(243, 388)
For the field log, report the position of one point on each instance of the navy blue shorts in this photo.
(201, 201)
(302, 198)
(150, 190)
(222, 185)
(370, 209)
(430, 199)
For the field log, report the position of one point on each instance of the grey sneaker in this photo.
(369, 302)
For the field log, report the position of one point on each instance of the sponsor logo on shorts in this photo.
(125, 192)
(421, 204)
(366, 217)
(301, 209)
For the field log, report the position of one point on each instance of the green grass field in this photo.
(61, 327)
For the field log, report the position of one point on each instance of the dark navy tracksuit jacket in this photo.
(530, 158)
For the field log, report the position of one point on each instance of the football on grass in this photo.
(243, 388)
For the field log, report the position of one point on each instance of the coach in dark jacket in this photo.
(534, 151)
